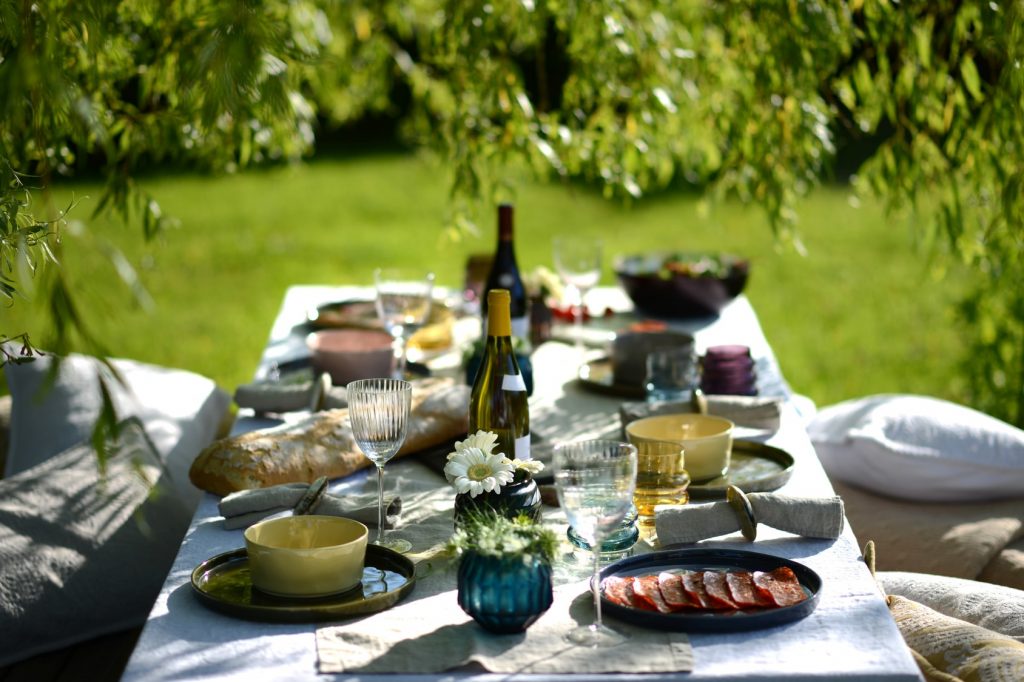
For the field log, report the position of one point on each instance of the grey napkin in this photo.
(815, 517)
(246, 507)
(270, 396)
(756, 412)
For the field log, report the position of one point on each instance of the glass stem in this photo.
(380, 504)
(595, 583)
(400, 365)
(578, 320)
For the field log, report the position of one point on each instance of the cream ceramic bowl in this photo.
(306, 556)
(706, 440)
(351, 354)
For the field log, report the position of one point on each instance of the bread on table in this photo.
(322, 444)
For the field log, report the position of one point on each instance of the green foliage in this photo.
(743, 97)
(488, 533)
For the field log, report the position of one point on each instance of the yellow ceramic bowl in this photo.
(706, 440)
(306, 556)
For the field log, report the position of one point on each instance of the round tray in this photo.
(712, 621)
(753, 467)
(223, 583)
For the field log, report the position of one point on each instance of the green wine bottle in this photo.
(498, 400)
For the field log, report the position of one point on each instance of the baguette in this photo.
(322, 444)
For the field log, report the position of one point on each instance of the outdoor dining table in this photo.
(849, 636)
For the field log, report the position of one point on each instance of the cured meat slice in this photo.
(619, 591)
(675, 596)
(648, 590)
(782, 584)
(717, 590)
(744, 592)
(693, 583)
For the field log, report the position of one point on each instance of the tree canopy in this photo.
(750, 98)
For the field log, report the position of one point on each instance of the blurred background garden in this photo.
(864, 156)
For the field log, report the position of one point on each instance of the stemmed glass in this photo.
(595, 480)
(379, 412)
(403, 305)
(578, 262)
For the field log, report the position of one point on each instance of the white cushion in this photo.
(79, 556)
(920, 448)
(181, 410)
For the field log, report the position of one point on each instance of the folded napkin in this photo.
(271, 396)
(815, 517)
(246, 507)
(756, 412)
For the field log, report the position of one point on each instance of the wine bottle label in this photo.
(521, 327)
(513, 382)
(523, 448)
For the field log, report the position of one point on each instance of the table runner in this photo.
(429, 633)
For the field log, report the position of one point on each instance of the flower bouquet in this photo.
(485, 479)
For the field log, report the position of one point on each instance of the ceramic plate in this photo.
(597, 376)
(223, 583)
(711, 621)
(753, 467)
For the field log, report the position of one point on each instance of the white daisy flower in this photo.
(473, 471)
(531, 466)
(483, 440)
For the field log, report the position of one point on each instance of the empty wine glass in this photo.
(403, 304)
(578, 262)
(595, 480)
(379, 412)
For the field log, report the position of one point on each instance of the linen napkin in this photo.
(246, 507)
(815, 517)
(313, 395)
(756, 412)
(433, 635)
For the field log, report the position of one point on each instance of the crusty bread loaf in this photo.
(322, 444)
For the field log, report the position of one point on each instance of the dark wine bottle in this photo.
(504, 274)
(498, 401)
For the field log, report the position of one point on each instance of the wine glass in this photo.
(595, 480)
(379, 412)
(403, 305)
(578, 262)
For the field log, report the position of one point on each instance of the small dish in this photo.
(224, 583)
(306, 555)
(707, 560)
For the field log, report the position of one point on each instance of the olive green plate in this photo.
(754, 467)
(597, 376)
(223, 584)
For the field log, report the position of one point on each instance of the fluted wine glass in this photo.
(578, 262)
(595, 480)
(403, 304)
(379, 412)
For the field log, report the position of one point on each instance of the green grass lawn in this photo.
(860, 314)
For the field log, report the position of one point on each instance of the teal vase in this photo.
(510, 501)
(504, 594)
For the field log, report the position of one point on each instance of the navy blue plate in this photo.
(707, 560)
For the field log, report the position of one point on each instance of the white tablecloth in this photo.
(850, 636)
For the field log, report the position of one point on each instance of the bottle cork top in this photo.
(499, 321)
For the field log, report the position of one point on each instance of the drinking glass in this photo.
(379, 412)
(403, 304)
(578, 262)
(595, 480)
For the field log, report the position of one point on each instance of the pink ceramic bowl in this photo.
(351, 354)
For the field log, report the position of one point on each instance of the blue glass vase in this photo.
(510, 501)
(506, 594)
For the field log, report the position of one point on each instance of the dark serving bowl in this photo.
(696, 285)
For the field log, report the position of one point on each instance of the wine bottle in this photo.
(504, 274)
(498, 402)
